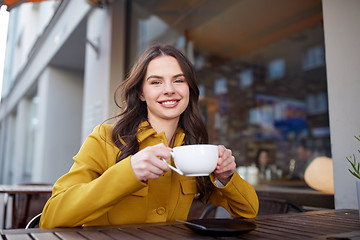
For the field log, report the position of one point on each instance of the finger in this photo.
(161, 151)
(221, 149)
(146, 164)
(152, 171)
(221, 163)
(227, 157)
(227, 165)
(227, 154)
(156, 152)
(159, 164)
(150, 175)
(224, 153)
(156, 170)
(224, 169)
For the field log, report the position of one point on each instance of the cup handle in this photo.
(173, 168)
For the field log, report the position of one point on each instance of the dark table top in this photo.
(324, 224)
(14, 189)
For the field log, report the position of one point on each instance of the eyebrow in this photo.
(159, 77)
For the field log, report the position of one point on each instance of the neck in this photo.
(167, 126)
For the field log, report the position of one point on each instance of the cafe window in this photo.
(250, 60)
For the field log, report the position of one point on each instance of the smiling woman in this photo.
(121, 162)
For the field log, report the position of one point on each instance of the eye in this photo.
(155, 82)
(179, 80)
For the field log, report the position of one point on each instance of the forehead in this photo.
(164, 65)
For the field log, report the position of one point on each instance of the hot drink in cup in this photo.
(196, 160)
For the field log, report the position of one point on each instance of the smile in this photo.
(169, 102)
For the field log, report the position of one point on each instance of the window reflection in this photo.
(261, 69)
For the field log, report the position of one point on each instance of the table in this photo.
(10, 192)
(297, 193)
(324, 224)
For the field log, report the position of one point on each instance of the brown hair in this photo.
(134, 111)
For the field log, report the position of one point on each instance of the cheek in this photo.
(186, 94)
(187, 100)
(142, 96)
(148, 94)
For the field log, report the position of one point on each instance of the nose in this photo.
(168, 88)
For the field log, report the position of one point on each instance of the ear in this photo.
(142, 97)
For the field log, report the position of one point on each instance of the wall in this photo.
(342, 47)
(118, 49)
(66, 19)
(103, 70)
(60, 94)
(96, 75)
(21, 136)
(8, 142)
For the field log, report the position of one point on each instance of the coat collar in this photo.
(145, 130)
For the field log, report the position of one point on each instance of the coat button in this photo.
(160, 210)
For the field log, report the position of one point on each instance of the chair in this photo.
(267, 205)
(34, 222)
(27, 205)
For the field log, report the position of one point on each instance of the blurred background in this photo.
(270, 73)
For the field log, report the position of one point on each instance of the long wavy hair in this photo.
(134, 111)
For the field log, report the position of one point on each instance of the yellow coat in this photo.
(99, 191)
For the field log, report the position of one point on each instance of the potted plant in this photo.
(355, 170)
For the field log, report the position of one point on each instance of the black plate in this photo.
(222, 227)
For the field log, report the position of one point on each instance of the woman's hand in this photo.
(147, 163)
(226, 165)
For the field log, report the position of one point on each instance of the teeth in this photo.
(168, 102)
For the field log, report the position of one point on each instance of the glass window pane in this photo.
(261, 69)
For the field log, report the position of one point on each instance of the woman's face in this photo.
(264, 158)
(165, 89)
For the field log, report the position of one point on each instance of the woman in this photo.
(262, 162)
(118, 177)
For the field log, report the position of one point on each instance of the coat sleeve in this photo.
(92, 186)
(238, 197)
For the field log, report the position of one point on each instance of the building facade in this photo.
(272, 74)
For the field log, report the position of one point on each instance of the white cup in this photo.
(195, 160)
